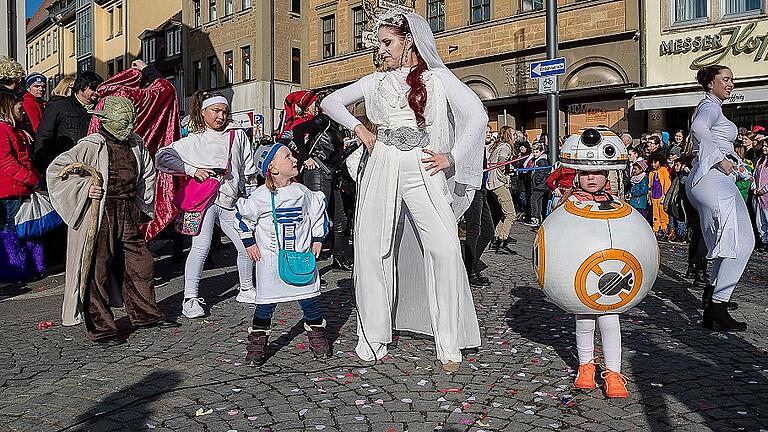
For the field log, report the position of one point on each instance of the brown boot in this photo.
(317, 341)
(257, 346)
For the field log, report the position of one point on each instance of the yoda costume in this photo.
(120, 252)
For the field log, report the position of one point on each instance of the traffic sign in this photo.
(548, 84)
(548, 67)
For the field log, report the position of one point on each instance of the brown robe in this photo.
(70, 199)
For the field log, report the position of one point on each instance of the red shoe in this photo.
(585, 378)
(615, 384)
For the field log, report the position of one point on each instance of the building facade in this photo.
(12, 37)
(489, 44)
(250, 51)
(682, 36)
(70, 36)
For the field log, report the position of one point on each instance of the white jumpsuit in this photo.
(397, 200)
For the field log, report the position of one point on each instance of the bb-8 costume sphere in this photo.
(595, 257)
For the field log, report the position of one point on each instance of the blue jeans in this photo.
(8, 209)
(313, 313)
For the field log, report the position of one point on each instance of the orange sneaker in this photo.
(615, 384)
(585, 378)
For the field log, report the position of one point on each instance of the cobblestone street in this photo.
(681, 377)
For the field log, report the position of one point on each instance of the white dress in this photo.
(725, 221)
(301, 219)
(409, 273)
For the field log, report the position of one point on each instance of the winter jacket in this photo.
(34, 108)
(639, 194)
(673, 199)
(65, 121)
(661, 175)
(17, 176)
(539, 176)
(500, 176)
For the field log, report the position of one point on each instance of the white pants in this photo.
(201, 243)
(726, 227)
(375, 276)
(610, 334)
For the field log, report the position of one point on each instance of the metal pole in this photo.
(272, 65)
(553, 100)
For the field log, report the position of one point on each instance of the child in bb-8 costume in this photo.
(590, 186)
(614, 265)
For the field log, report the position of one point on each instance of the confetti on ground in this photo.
(202, 412)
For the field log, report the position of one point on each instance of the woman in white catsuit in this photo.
(425, 163)
(711, 187)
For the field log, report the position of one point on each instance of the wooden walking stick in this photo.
(90, 238)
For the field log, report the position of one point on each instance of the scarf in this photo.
(637, 178)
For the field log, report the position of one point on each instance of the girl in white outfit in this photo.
(212, 145)
(711, 187)
(425, 163)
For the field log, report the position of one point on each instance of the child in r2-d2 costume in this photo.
(282, 215)
(613, 266)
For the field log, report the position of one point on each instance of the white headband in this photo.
(215, 100)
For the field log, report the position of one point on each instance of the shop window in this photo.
(480, 11)
(329, 36)
(295, 65)
(532, 5)
(110, 68)
(120, 64)
(358, 16)
(733, 7)
(245, 53)
(436, 15)
(689, 10)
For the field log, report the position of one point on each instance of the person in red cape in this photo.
(157, 122)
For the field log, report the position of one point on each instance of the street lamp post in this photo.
(553, 99)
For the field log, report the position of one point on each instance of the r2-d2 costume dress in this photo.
(301, 219)
(408, 266)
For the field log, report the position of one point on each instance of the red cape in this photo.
(157, 122)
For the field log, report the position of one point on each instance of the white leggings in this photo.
(610, 333)
(201, 243)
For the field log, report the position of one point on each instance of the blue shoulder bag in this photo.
(295, 268)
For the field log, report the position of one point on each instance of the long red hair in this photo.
(417, 96)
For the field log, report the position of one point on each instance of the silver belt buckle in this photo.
(405, 138)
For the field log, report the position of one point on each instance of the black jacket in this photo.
(319, 138)
(64, 122)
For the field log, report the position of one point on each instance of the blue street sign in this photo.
(548, 67)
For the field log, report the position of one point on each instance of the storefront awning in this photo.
(692, 98)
